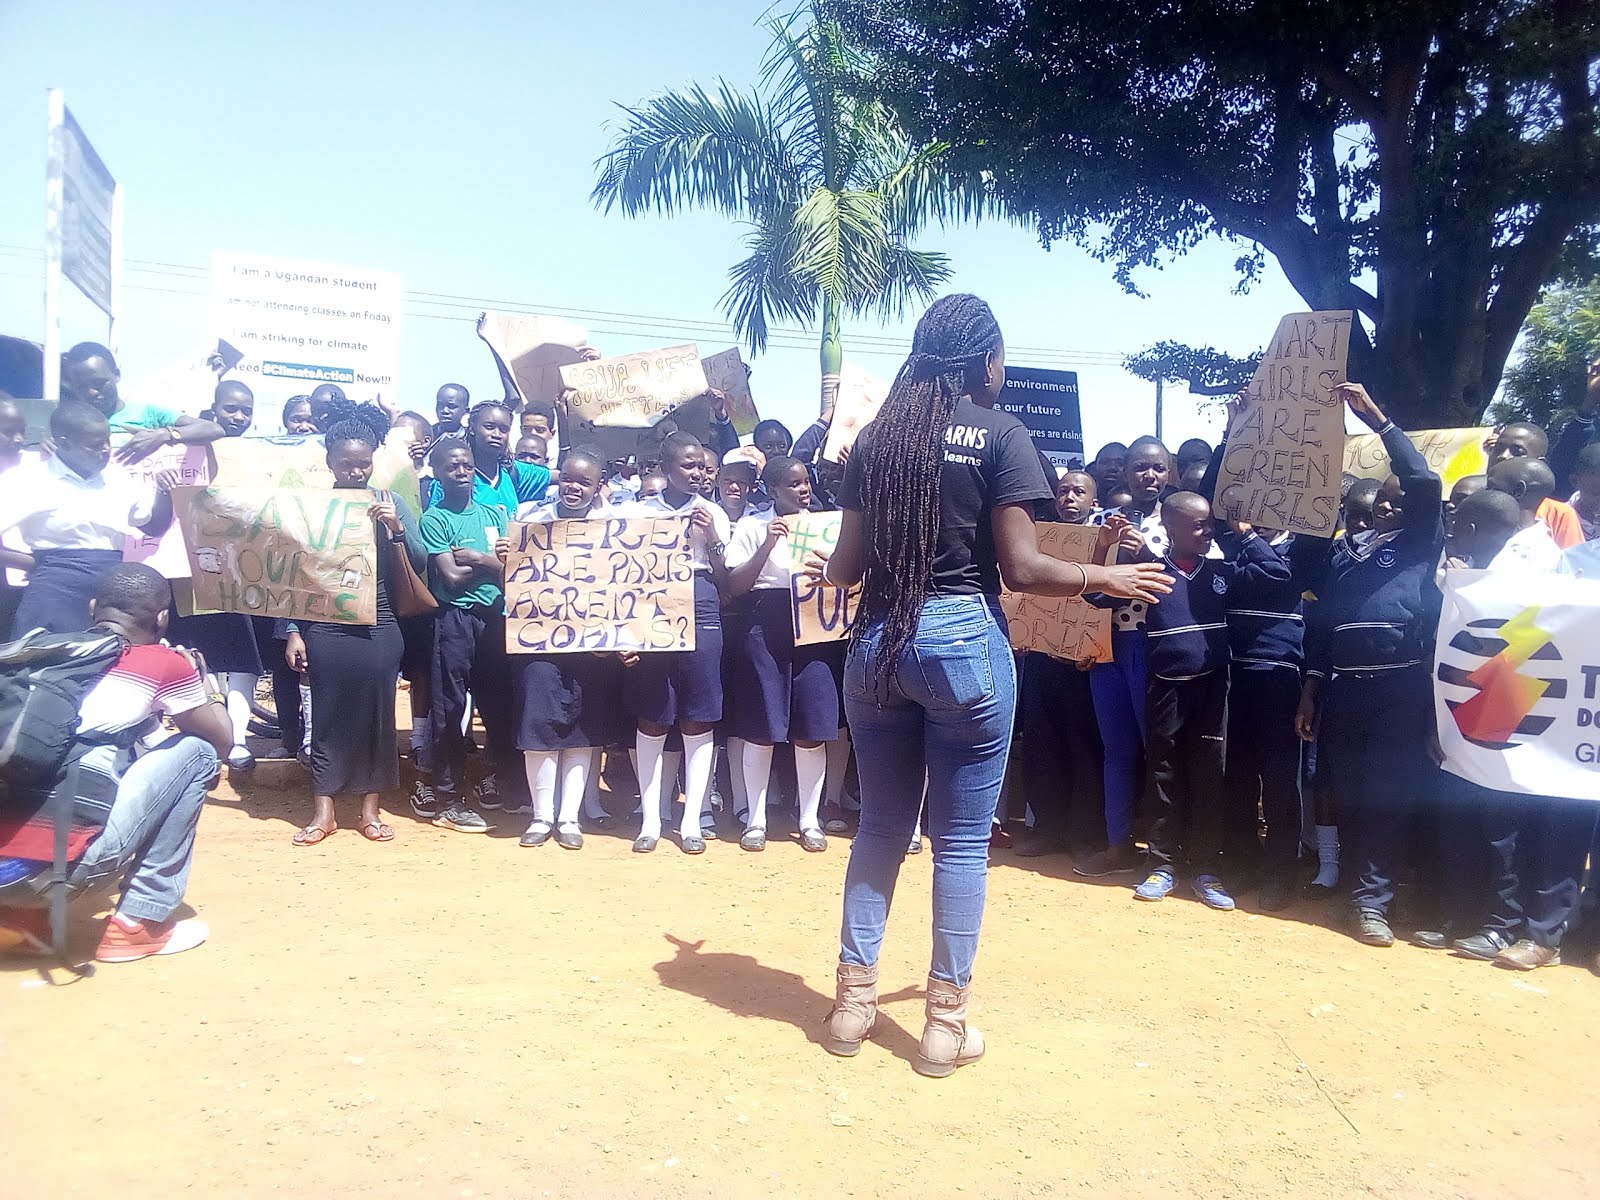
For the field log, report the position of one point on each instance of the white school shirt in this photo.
(538, 514)
(748, 537)
(52, 507)
(1532, 549)
(699, 543)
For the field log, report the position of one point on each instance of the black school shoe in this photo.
(1485, 945)
(1372, 928)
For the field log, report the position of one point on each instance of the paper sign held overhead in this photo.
(300, 554)
(727, 373)
(860, 398)
(633, 391)
(534, 349)
(1064, 627)
(605, 584)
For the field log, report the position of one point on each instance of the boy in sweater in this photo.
(1186, 697)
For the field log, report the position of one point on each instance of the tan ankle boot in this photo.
(855, 1008)
(948, 1041)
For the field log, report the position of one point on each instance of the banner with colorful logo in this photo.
(1517, 682)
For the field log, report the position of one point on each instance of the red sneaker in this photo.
(127, 940)
(24, 931)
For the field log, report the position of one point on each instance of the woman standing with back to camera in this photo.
(938, 502)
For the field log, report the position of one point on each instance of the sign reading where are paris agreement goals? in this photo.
(297, 553)
(597, 585)
(820, 613)
(1286, 448)
(300, 324)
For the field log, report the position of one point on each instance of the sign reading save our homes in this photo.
(604, 584)
(820, 613)
(1286, 448)
(301, 554)
(633, 391)
(1065, 627)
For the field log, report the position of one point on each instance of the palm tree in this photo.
(828, 183)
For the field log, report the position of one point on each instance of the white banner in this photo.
(1517, 682)
(299, 324)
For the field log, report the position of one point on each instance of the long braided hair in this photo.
(903, 469)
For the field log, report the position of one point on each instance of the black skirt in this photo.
(567, 701)
(354, 672)
(227, 640)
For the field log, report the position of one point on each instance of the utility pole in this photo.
(1158, 409)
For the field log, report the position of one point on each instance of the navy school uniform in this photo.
(666, 688)
(1062, 752)
(1186, 697)
(1370, 638)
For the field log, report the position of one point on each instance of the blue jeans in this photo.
(944, 716)
(150, 834)
(1118, 688)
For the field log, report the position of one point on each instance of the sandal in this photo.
(312, 834)
(376, 831)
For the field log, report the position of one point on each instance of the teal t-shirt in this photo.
(475, 527)
(138, 414)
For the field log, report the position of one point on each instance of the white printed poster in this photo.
(300, 324)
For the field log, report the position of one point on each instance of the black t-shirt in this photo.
(989, 461)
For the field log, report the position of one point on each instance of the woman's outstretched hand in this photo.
(1130, 581)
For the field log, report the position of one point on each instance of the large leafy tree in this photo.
(1425, 162)
(830, 187)
(1546, 383)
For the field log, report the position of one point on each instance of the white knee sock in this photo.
(1328, 856)
(810, 765)
(541, 768)
(574, 781)
(741, 790)
(592, 808)
(241, 688)
(757, 770)
(699, 752)
(838, 752)
(651, 750)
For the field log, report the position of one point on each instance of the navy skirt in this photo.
(777, 691)
(684, 686)
(60, 587)
(567, 701)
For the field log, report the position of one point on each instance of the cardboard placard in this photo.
(633, 391)
(296, 553)
(302, 462)
(1286, 449)
(726, 372)
(1452, 453)
(605, 584)
(820, 613)
(860, 398)
(534, 349)
(1064, 627)
(167, 553)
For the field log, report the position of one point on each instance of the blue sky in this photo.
(454, 144)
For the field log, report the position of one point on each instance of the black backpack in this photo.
(44, 678)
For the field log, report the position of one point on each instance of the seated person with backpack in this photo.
(133, 816)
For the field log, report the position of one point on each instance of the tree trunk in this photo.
(832, 353)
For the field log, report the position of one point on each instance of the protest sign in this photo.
(1286, 449)
(1517, 682)
(727, 373)
(860, 398)
(534, 349)
(624, 584)
(1065, 627)
(300, 554)
(1452, 453)
(167, 554)
(299, 324)
(302, 462)
(633, 391)
(1047, 403)
(820, 613)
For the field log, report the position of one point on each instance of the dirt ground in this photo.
(453, 1016)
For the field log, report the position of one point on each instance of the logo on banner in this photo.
(1499, 662)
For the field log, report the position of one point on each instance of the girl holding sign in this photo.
(567, 705)
(683, 688)
(938, 506)
(354, 668)
(777, 691)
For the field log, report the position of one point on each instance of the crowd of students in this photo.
(1273, 709)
